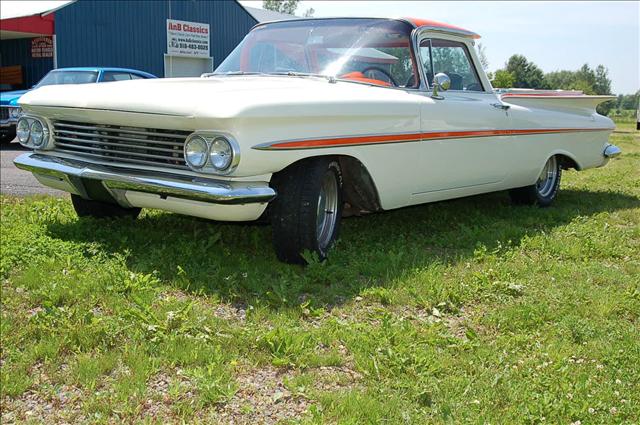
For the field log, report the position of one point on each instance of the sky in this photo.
(554, 35)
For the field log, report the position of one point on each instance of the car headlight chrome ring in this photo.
(23, 130)
(196, 151)
(220, 153)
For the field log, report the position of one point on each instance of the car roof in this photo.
(104, 68)
(414, 22)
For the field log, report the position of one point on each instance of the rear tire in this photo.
(306, 214)
(97, 209)
(544, 191)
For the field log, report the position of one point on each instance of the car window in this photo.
(67, 77)
(453, 59)
(137, 77)
(362, 50)
(116, 76)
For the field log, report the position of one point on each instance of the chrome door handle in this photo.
(501, 106)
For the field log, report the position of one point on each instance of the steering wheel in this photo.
(380, 70)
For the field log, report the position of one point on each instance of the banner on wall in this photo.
(190, 39)
(42, 47)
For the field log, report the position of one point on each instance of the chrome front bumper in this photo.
(71, 175)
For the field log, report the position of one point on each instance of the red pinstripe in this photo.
(414, 137)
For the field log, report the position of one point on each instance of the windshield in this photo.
(68, 77)
(374, 51)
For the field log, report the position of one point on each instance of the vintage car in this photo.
(10, 110)
(307, 119)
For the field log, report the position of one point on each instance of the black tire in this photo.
(8, 135)
(294, 212)
(97, 209)
(544, 191)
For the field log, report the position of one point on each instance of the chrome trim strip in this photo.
(418, 137)
(449, 31)
(73, 173)
(612, 151)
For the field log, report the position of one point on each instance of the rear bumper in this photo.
(72, 175)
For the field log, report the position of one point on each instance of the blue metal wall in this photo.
(18, 52)
(133, 33)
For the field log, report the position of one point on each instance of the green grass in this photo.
(470, 310)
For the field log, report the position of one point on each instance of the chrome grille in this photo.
(135, 145)
(4, 113)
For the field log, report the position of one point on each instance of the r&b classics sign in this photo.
(187, 39)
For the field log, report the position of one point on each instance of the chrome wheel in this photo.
(327, 216)
(546, 183)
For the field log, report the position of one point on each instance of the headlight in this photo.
(15, 112)
(220, 153)
(23, 130)
(195, 152)
(37, 133)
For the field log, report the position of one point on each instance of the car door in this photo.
(464, 130)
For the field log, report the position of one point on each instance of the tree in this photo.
(286, 6)
(282, 6)
(526, 74)
(503, 79)
(482, 55)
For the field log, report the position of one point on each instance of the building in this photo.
(168, 38)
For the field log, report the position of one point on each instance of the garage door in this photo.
(180, 66)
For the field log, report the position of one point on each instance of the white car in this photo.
(304, 118)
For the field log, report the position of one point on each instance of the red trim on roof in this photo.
(35, 24)
(429, 23)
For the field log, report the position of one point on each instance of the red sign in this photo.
(42, 47)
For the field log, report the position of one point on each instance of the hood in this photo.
(221, 97)
(11, 97)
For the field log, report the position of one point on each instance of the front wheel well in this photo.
(359, 190)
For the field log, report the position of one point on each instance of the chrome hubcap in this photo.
(548, 178)
(327, 209)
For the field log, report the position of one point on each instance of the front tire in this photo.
(544, 191)
(306, 214)
(97, 209)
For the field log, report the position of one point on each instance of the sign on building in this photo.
(190, 39)
(42, 47)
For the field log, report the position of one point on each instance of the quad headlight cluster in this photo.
(33, 133)
(211, 153)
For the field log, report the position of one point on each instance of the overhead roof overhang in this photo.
(20, 19)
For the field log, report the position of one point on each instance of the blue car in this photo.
(10, 110)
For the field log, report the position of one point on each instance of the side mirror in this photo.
(441, 81)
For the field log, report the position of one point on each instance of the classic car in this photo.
(10, 110)
(309, 119)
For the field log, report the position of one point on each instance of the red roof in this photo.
(35, 24)
(429, 23)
